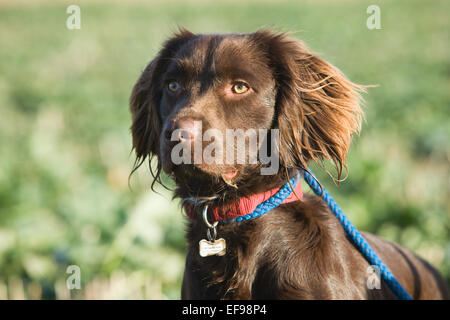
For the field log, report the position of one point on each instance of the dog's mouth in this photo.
(193, 182)
(187, 172)
(229, 175)
(183, 163)
(187, 152)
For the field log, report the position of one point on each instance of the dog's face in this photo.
(213, 84)
(202, 93)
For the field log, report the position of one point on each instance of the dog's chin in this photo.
(201, 179)
(229, 175)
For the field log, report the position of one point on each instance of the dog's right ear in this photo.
(146, 124)
(145, 99)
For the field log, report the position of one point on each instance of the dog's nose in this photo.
(182, 130)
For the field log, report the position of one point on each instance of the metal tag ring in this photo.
(205, 218)
(214, 236)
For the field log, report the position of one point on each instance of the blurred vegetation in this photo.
(65, 142)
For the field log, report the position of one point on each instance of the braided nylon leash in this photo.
(357, 238)
(269, 204)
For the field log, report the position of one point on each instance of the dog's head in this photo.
(202, 93)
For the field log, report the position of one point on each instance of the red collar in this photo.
(244, 206)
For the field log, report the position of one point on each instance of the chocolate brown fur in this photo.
(299, 250)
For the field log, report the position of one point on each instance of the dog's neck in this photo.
(247, 208)
(249, 247)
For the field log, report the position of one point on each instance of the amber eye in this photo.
(173, 86)
(240, 88)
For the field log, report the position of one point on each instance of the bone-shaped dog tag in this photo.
(209, 248)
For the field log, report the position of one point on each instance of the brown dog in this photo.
(261, 81)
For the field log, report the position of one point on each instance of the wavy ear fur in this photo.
(317, 106)
(144, 100)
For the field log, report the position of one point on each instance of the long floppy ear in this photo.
(145, 99)
(146, 124)
(317, 106)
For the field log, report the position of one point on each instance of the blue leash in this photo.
(357, 238)
(349, 228)
(269, 204)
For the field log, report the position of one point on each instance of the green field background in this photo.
(65, 146)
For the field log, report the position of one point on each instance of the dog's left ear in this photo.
(317, 107)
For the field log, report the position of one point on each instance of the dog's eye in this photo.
(173, 86)
(240, 88)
